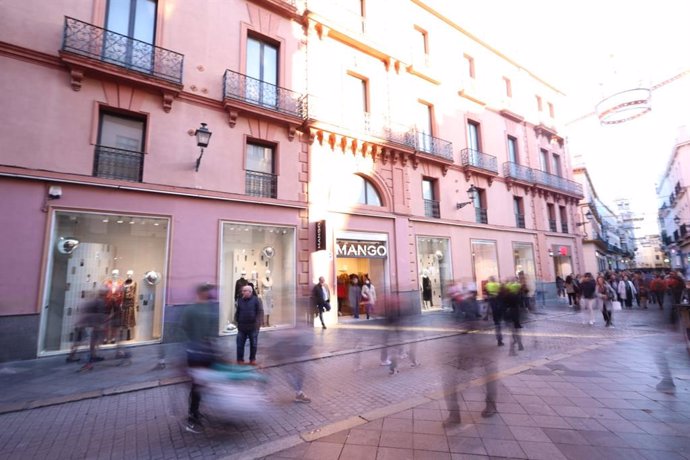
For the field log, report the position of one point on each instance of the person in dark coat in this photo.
(321, 298)
(249, 316)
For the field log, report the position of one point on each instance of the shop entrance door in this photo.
(349, 268)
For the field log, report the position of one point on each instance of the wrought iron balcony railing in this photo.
(266, 95)
(110, 47)
(112, 163)
(517, 171)
(552, 225)
(261, 184)
(481, 215)
(564, 227)
(481, 160)
(383, 128)
(431, 209)
(519, 220)
(557, 182)
(431, 145)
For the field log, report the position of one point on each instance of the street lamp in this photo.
(471, 194)
(588, 216)
(203, 136)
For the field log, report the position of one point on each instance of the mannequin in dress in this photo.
(267, 296)
(113, 305)
(426, 290)
(129, 305)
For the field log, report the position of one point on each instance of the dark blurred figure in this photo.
(295, 344)
(657, 289)
(475, 345)
(92, 324)
(321, 299)
(354, 294)
(493, 289)
(201, 326)
(666, 384)
(394, 307)
(511, 295)
(249, 316)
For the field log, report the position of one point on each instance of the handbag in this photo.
(616, 305)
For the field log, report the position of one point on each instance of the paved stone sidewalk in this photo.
(598, 401)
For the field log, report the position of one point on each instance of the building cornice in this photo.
(29, 55)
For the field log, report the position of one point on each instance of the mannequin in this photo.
(426, 290)
(113, 304)
(129, 305)
(267, 297)
(240, 283)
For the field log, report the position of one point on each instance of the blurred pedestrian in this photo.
(570, 290)
(368, 296)
(560, 286)
(200, 326)
(249, 316)
(354, 295)
(295, 344)
(393, 351)
(493, 288)
(511, 295)
(626, 292)
(588, 288)
(91, 325)
(605, 296)
(657, 289)
(321, 299)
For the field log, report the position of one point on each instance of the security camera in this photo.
(55, 192)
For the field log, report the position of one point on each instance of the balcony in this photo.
(434, 146)
(431, 209)
(552, 225)
(481, 215)
(478, 162)
(520, 220)
(261, 184)
(106, 51)
(242, 93)
(119, 164)
(518, 172)
(552, 181)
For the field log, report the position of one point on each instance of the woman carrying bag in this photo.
(368, 296)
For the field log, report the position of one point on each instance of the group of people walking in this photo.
(610, 291)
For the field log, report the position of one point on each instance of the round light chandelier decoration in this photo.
(624, 106)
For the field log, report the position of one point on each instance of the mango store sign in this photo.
(361, 249)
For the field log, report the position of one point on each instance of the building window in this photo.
(260, 179)
(365, 191)
(421, 45)
(356, 100)
(508, 87)
(473, 136)
(425, 127)
(540, 105)
(480, 206)
(564, 219)
(431, 205)
(262, 70)
(119, 153)
(519, 209)
(126, 254)
(134, 19)
(512, 150)
(544, 160)
(469, 66)
(552, 112)
(551, 212)
(556, 165)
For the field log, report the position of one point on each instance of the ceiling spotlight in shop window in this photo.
(268, 252)
(152, 277)
(471, 194)
(203, 136)
(67, 245)
(439, 255)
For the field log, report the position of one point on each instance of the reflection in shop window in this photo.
(523, 258)
(263, 256)
(94, 251)
(485, 261)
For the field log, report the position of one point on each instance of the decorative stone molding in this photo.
(291, 130)
(232, 117)
(76, 78)
(168, 99)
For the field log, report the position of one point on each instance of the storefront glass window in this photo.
(435, 273)
(123, 255)
(523, 258)
(263, 256)
(485, 262)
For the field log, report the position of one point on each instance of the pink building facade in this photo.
(335, 150)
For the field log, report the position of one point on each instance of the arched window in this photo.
(366, 192)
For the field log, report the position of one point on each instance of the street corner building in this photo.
(150, 146)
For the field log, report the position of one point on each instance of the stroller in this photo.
(231, 389)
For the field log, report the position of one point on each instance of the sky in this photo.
(589, 50)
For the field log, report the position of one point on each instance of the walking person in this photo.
(588, 289)
(200, 326)
(295, 344)
(511, 294)
(605, 295)
(91, 324)
(570, 290)
(493, 289)
(626, 292)
(368, 296)
(249, 316)
(657, 288)
(321, 299)
(354, 294)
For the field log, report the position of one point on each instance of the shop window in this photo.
(119, 153)
(127, 255)
(431, 204)
(523, 258)
(485, 262)
(262, 72)
(435, 271)
(263, 256)
(260, 179)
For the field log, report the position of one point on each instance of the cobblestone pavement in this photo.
(615, 367)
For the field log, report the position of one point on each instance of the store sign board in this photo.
(361, 249)
(560, 250)
(321, 235)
